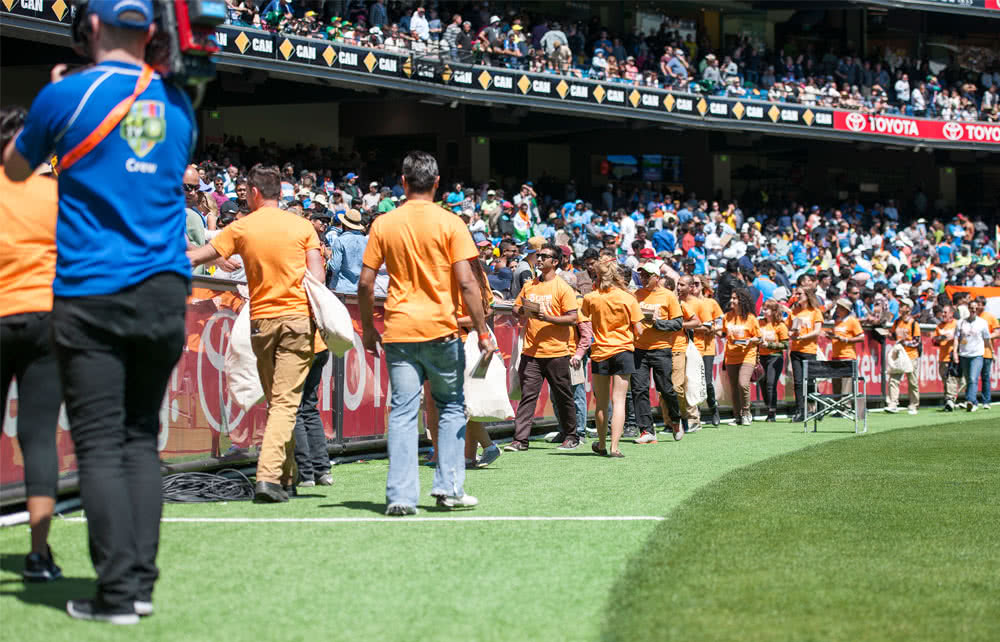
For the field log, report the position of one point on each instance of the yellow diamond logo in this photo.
(286, 49)
(8, 3)
(773, 112)
(446, 73)
(808, 117)
(702, 106)
(242, 42)
(599, 94)
(58, 8)
(634, 98)
(524, 84)
(408, 67)
(329, 55)
(738, 111)
(668, 102)
(485, 79)
(562, 88)
(370, 61)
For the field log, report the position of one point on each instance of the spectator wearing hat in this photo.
(351, 187)
(346, 253)
(845, 334)
(371, 200)
(699, 254)
(948, 369)
(906, 331)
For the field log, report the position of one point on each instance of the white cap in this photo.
(494, 19)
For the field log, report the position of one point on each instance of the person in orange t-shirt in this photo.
(710, 313)
(742, 333)
(774, 341)
(276, 247)
(985, 394)
(906, 331)
(807, 325)
(426, 251)
(616, 319)
(547, 305)
(28, 213)
(944, 339)
(846, 332)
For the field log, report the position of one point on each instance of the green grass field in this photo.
(764, 533)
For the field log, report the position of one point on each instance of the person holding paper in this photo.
(944, 339)
(807, 325)
(742, 334)
(845, 334)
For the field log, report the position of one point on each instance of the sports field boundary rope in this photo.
(398, 520)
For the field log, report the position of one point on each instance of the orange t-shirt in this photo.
(28, 213)
(544, 340)
(848, 328)
(419, 242)
(991, 322)
(906, 331)
(612, 314)
(738, 329)
(273, 245)
(808, 321)
(772, 333)
(945, 348)
(664, 305)
(708, 311)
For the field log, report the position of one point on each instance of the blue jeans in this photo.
(580, 399)
(971, 369)
(442, 363)
(984, 377)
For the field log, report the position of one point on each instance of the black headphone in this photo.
(80, 28)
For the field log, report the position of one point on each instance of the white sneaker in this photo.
(973, 407)
(911, 411)
(465, 501)
(694, 428)
(646, 438)
(891, 409)
(747, 419)
(554, 437)
(986, 406)
(143, 608)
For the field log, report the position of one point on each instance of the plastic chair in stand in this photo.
(852, 406)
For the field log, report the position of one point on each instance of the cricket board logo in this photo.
(855, 122)
(952, 131)
(145, 126)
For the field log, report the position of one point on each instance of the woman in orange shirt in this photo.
(742, 333)
(774, 341)
(617, 322)
(846, 332)
(807, 325)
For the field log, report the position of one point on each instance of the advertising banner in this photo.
(916, 128)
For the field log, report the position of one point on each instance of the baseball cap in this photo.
(491, 192)
(494, 20)
(845, 303)
(129, 14)
(780, 293)
(906, 301)
(320, 216)
(373, 184)
(229, 207)
(483, 243)
(351, 175)
(529, 250)
(646, 253)
(653, 267)
(699, 238)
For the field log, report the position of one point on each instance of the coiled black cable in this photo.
(228, 485)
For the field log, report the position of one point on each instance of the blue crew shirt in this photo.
(121, 206)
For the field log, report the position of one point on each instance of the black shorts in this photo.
(622, 363)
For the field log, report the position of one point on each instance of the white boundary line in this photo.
(395, 520)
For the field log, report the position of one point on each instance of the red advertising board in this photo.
(904, 127)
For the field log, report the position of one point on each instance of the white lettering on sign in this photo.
(425, 72)
(503, 82)
(579, 91)
(463, 77)
(650, 100)
(348, 58)
(541, 86)
(982, 133)
(755, 111)
(719, 109)
(790, 115)
(31, 5)
(616, 96)
(898, 126)
(824, 118)
(263, 46)
(136, 166)
(685, 104)
(222, 38)
(305, 52)
(387, 64)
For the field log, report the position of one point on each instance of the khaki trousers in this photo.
(739, 385)
(914, 390)
(284, 349)
(953, 386)
(678, 377)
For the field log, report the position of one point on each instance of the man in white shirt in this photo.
(972, 335)
(903, 89)
(419, 27)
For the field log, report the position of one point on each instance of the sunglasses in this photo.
(190, 188)
(546, 256)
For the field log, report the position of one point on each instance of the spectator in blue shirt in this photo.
(797, 252)
(684, 215)
(699, 254)
(347, 251)
(664, 240)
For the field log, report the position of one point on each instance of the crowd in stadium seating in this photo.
(676, 56)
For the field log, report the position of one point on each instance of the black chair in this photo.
(851, 406)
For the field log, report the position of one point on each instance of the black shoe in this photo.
(631, 431)
(87, 610)
(40, 568)
(798, 418)
(291, 491)
(269, 493)
(770, 416)
(715, 417)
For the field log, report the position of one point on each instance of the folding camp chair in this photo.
(853, 406)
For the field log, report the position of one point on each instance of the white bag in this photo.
(485, 399)
(513, 379)
(897, 361)
(332, 318)
(241, 364)
(694, 371)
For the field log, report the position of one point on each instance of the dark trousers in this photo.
(768, 384)
(533, 372)
(709, 385)
(798, 358)
(661, 363)
(311, 455)
(116, 353)
(985, 394)
(26, 354)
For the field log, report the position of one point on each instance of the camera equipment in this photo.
(182, 47)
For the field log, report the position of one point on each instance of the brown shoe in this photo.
(570, 443)
(616, 454)
(515, 447)
(596, 447)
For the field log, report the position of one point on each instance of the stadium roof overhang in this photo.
(982, 8)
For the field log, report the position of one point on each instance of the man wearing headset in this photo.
(121, 283)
